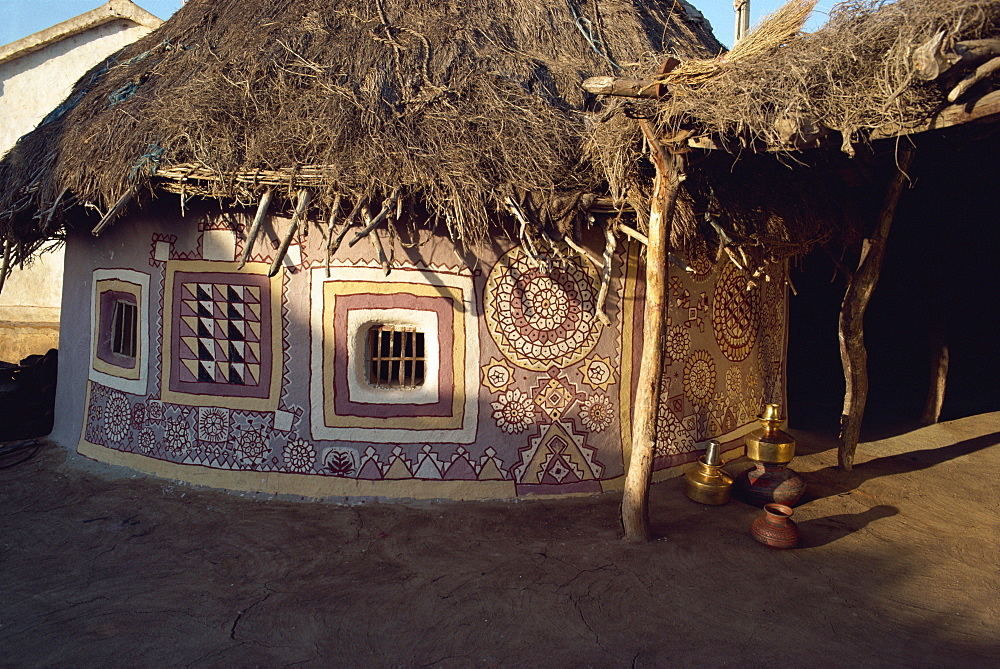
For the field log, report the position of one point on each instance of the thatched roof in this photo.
(842, 87)
(462, 103)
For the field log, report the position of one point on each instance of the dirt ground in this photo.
(899, 567)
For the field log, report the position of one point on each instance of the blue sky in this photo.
(19, 18)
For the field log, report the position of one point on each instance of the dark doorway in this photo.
(941, 269)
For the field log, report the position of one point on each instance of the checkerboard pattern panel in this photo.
(220, 328)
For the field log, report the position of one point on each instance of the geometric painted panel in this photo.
(221, 335)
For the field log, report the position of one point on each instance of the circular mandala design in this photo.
(542, 318)
(699, 378)
(735, 314)
(514, 411)
(678, 342)
(176, 436)
(597, 413)
(251, 448)
(117, 415)
(299, 455)
(147, 441)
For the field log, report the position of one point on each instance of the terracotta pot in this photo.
(765, 483)
(776, 528)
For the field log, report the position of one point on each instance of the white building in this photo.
(36, 74)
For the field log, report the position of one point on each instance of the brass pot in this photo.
(769, 444)
(708, 484)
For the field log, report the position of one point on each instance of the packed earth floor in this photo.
(898, 566)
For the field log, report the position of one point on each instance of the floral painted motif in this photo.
(176, 436)
(147, 441)
(117, 417)
(497, 375)
(300, 456)
(138, 415)
(699, 378)
(596, 413)
(213, 424)
(598, 373)
(678, 342)
(251, 447)
(734, 383)
(514, 411)
(154, 410)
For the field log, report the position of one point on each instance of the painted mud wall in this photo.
(250, 383)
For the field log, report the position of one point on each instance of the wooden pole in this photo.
(853, 355)
(939, 358)
(635, 499)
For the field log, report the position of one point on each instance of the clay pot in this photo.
(775, 528)
(765, 483)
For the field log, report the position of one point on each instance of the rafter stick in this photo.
(45, 217)
(335, 242)
(622, 87)
(331, 221)
(587, 255)
(116, 209)
(634, 234)
(5, 263)
(300, 209)
(388, 206)
(642, 239)
(515, 209)
(987, 69)
(376, 241)
(610, 242)
(258, 220)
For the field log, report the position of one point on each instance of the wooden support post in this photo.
(635, 500)
(939, 358)
(853, 355)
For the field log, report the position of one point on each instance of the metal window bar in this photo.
(397, 356)
(123, 328)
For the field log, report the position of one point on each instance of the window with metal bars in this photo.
(397, 357)
(123, 328)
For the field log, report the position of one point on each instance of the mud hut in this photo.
(794, 143)
(350, 249)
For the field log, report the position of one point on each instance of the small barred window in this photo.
(123, 328)
(396, 356)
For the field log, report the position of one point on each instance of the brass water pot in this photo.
(708, 484)
(770, 444)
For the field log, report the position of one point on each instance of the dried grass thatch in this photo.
(462, 103)
(776, 91)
